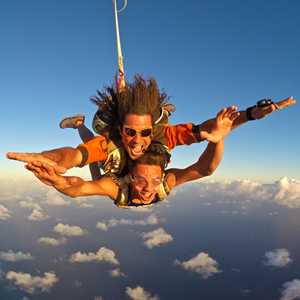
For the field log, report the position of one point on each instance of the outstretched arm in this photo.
(260, 112)
(212, 156)
(186, 134)
(60, 159)
(205, 166)
(257, 113)
(71, 185)
(65, 158)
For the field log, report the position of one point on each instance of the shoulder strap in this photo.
(164, 189)
(122, 198)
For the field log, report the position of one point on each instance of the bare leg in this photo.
(77, 122)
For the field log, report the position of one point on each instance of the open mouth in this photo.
(147, 195)
(137, 149)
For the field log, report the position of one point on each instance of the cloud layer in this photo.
(285, 191)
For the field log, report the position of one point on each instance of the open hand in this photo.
(34, 157)
(45, 173)
(221, 125)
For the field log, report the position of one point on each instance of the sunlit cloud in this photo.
(285, 191)
(30, 204)
(68, 230)
(11, 256)
(32, 284)
(38, 215)
(51, 241)
(102, 226)
(277, 258)
(291, 290)
(139, 293)
(202, 264)
(4, 213)
(116, 273)
(55, 199)
(288, 192)
(156, 238)
(102, 255)
(150, 220)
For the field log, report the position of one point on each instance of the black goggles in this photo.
(143, 133)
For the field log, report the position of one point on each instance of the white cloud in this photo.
(51, 241)
(30, 204)
(116, 273)
(288, 192)
(67, 230)
(55, 199)
(285, 191)
(15, 256)
(38, 215)
(156, 238)
(102, 226)
(277, 258)
(150, 220)
(4, 213)
(139, 293)
(202, 264)
(102, 255)
(291, 290)
(31, 284)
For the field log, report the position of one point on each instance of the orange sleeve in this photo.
(181, 134)
(93, 151)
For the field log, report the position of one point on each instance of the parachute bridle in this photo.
(121, 73)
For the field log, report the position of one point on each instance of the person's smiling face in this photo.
(136, 134)
(145, 182)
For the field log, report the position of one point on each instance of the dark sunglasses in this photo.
(132, 132)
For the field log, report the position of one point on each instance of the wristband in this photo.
(264, 102)
(248, 113)
(196, 132)
(85, 154)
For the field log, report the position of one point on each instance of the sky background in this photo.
(205, 54)
(233, 236)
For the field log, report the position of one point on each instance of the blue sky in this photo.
(204, 54)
